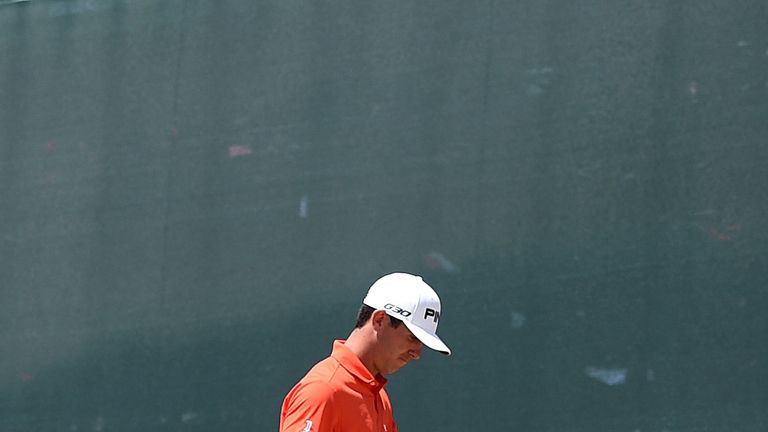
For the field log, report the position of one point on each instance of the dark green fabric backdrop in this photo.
(195, 196)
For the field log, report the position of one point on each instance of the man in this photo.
(345, 392)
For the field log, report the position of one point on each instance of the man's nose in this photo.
(415, 352)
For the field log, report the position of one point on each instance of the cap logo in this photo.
(435, 314)
(397, 310)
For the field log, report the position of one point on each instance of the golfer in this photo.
(345, 392)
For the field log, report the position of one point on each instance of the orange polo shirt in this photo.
(338, 394)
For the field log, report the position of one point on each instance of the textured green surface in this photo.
(194, 197)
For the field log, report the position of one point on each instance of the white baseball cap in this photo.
(409, 299)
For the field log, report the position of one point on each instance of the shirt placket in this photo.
(379, 407)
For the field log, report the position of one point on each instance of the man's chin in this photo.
(395, 367)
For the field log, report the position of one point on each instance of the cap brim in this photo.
(428, 339)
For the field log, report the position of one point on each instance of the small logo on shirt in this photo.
(308, 427)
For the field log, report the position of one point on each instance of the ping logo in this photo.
(432, 313)
(397, 310)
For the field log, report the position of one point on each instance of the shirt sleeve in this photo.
(309, 408)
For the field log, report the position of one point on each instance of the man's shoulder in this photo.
(320, 382)
(324, 373)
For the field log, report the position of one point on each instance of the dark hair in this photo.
(365, 314)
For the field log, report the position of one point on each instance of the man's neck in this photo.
(359, 342)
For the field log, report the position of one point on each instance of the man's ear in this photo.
(378, 318)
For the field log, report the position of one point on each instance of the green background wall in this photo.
(195, 196)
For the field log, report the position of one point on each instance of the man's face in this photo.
(397, 346)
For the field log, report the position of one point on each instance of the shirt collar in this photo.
(354, 366)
